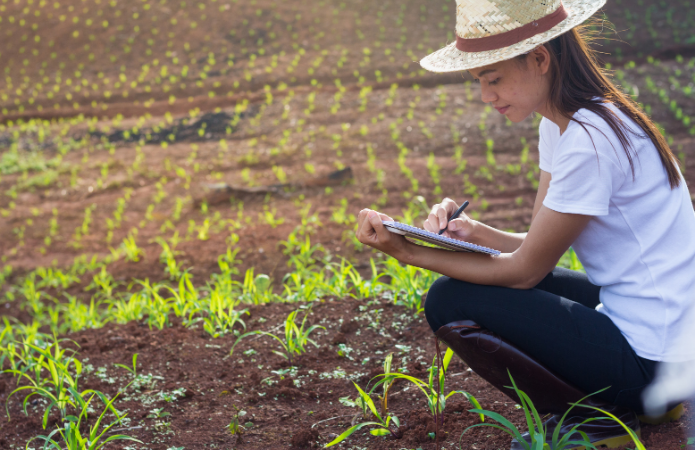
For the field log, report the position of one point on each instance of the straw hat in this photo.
(489, 31)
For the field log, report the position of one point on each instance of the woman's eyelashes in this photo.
(493, 82)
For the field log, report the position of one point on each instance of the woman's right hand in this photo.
(462, 228)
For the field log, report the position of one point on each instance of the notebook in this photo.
(434, 238)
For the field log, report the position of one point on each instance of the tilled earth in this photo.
(193, 378)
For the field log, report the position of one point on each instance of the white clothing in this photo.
(640, 244)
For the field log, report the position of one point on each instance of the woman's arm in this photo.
(550, 236)
(476, 232)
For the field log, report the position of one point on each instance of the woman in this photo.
(609, 186)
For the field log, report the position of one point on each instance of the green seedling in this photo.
(59, 387)
(72, 438)
(538, 433)
(386, 385)
(383, 424)
(158, 413)
(168, 257)
(296, 337)
(103, 282)
(131, 249)
(234, 427)
(433, 388)
(256, 289)
(133, 371)
(221, 320)
(408, 283)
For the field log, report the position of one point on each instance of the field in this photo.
(174, 174)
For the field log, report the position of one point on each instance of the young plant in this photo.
(168, 257)
(382, 423)
(296, 337)
(538, 433)
(433, 389)
(386, 384)
(234, 426)
(134, 370)
(221, 320)
(131, 249)
(256, 289)
(59, 387)
(72, 438)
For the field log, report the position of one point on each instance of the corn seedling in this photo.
(133, 371)
(256, 289)
(433, 388)
(296, 337)
(131, 249)
(72, 438)
(234, 426)
(538, 433)
(168, 257)
(386, 385)
(408, 283)
(59, 387)
(221, 319)
(383, 424)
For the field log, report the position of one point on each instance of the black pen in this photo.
(454, 216)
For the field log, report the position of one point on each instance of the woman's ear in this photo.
(540, 58)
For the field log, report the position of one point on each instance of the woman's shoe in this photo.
(490, 356)
(674, 414)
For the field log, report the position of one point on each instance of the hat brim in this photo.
(451, 59)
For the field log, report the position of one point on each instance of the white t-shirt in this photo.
(640, 244)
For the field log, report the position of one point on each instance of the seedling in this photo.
(386, 385)
(158, 413)
(234, 426)
(131, 249)
(433, 389)
(72, 438)
(383, 424)
(296, 338)
(538, 432)
(59, 388)
(132, 371)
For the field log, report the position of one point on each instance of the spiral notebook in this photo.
(433, 238)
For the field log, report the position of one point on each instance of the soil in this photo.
(301, 409)
(447, 112)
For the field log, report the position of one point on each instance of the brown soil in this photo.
(213, 383)
(302, 410)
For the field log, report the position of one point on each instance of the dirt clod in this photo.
(304, 438)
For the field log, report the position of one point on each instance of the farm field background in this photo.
(173, 173)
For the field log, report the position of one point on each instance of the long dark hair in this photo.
(578, 79)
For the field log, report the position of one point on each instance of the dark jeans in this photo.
(556, 323)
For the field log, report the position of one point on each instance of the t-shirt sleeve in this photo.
(545, 151)
(582, 182)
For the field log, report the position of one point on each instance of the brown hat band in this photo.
(497, 41)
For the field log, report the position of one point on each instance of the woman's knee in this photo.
(444, 302)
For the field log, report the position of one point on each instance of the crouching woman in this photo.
(610, 187)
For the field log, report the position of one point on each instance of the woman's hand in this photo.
(462, 228)
(371, 232)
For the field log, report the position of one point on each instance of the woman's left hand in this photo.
(372, 232)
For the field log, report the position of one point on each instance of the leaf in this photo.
(471, 399)
(344, 435)
(499, 418)
(447, 358)
(538, 441)
(380, 432)
(367, 399)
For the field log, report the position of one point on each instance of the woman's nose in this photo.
(487, 95)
